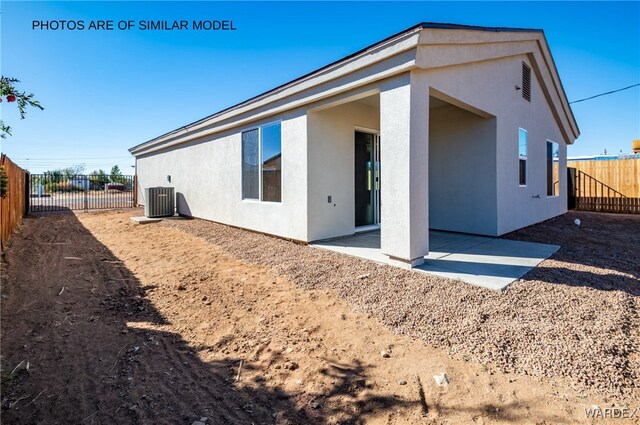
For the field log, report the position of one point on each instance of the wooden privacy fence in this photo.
(14, 205)
(611, 205)
(622, 175)
(606, 185)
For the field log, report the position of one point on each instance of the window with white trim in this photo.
(262, 163)
(522, 157)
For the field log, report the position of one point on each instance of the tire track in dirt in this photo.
(50, 319)
(154, 323)
(101, 352)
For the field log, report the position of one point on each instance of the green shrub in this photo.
(66, 186)
(4, 182)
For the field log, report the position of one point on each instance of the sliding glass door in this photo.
(367, 179)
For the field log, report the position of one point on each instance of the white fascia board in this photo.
(256, 114)
(438, 48)
(294, 91)
(557, 84)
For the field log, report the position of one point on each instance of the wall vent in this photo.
(526, 81)
(159, 202)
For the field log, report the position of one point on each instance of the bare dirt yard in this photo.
(105, 321)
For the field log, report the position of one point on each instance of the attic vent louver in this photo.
(526, 81)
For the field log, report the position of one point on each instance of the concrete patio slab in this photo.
(144, 220)
(362, 245)
(491, 263)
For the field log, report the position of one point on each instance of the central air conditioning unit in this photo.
(159, 202)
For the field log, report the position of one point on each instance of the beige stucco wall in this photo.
(318, 122)
(404, 151)
(520, 206)
(331, 166)
(462, 171)
(207, 176)
(490, 87)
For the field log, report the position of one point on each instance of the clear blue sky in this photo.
(105, 91)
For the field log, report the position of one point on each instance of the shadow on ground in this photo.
(509, 412)
(608, 242)
(98, 352)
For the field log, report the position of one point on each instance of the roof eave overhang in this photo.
(490, 45)
(300, 92)
(366, 58)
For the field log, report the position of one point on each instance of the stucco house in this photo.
(440, 126)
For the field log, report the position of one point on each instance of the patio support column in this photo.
(404, 133)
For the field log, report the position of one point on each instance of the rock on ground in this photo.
(575, 316)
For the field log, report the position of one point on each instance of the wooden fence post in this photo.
(135, 190)
(27, 193)
(13, 206)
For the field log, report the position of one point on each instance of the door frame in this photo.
(376, 181)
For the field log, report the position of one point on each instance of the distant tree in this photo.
(97, 179)
(99, 175)
(116, 175)
(59, 179)
(51, 179)
(9, 92)
(115, 171)
(72, 171)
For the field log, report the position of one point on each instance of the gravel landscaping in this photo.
(574, 318)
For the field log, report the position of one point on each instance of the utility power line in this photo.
(71, 158)
(606, 93)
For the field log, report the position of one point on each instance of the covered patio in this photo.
(491, 263)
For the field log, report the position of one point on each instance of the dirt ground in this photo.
(105, 321)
